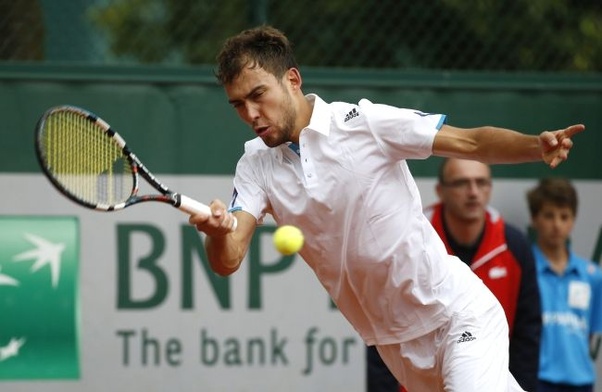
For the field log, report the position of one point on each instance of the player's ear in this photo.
(293, 76)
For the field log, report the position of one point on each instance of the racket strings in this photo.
(85, 160)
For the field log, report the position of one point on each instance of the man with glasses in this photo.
(496, 251)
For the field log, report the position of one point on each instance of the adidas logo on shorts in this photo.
(466, 337)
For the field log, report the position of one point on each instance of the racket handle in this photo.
(191, 207)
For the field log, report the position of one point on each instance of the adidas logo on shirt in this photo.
(351, 114)
(466, 337)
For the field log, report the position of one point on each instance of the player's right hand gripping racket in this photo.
(91, 164)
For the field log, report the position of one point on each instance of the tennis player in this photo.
(338, 171)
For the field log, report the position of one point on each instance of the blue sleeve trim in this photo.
(441, 121)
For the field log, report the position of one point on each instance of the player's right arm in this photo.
(225, 249)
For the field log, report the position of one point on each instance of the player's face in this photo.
(264, 103)
(466, 189)
(553, 224)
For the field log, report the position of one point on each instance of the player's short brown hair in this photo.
(265, 47)
(558, 191)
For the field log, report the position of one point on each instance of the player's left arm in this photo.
(499, 145)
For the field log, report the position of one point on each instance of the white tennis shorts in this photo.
(468, 354)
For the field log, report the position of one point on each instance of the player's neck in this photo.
(305, 109)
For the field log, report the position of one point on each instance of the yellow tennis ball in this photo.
(288, 239)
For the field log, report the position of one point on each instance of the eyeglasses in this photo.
(466, 183)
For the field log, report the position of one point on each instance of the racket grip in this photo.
(191, 207)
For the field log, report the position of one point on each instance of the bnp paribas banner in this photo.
(39, 258)
(126, 301)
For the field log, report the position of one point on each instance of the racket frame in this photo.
(177, 200)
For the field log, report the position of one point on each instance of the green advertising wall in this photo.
(179, 122)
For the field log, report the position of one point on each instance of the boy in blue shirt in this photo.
(570, 289)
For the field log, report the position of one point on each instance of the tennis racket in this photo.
(91, 164)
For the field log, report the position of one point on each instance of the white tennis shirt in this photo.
(351, 193)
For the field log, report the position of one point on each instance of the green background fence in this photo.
(147, 67)
(178, 121)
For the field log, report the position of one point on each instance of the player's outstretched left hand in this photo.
(555, 145)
